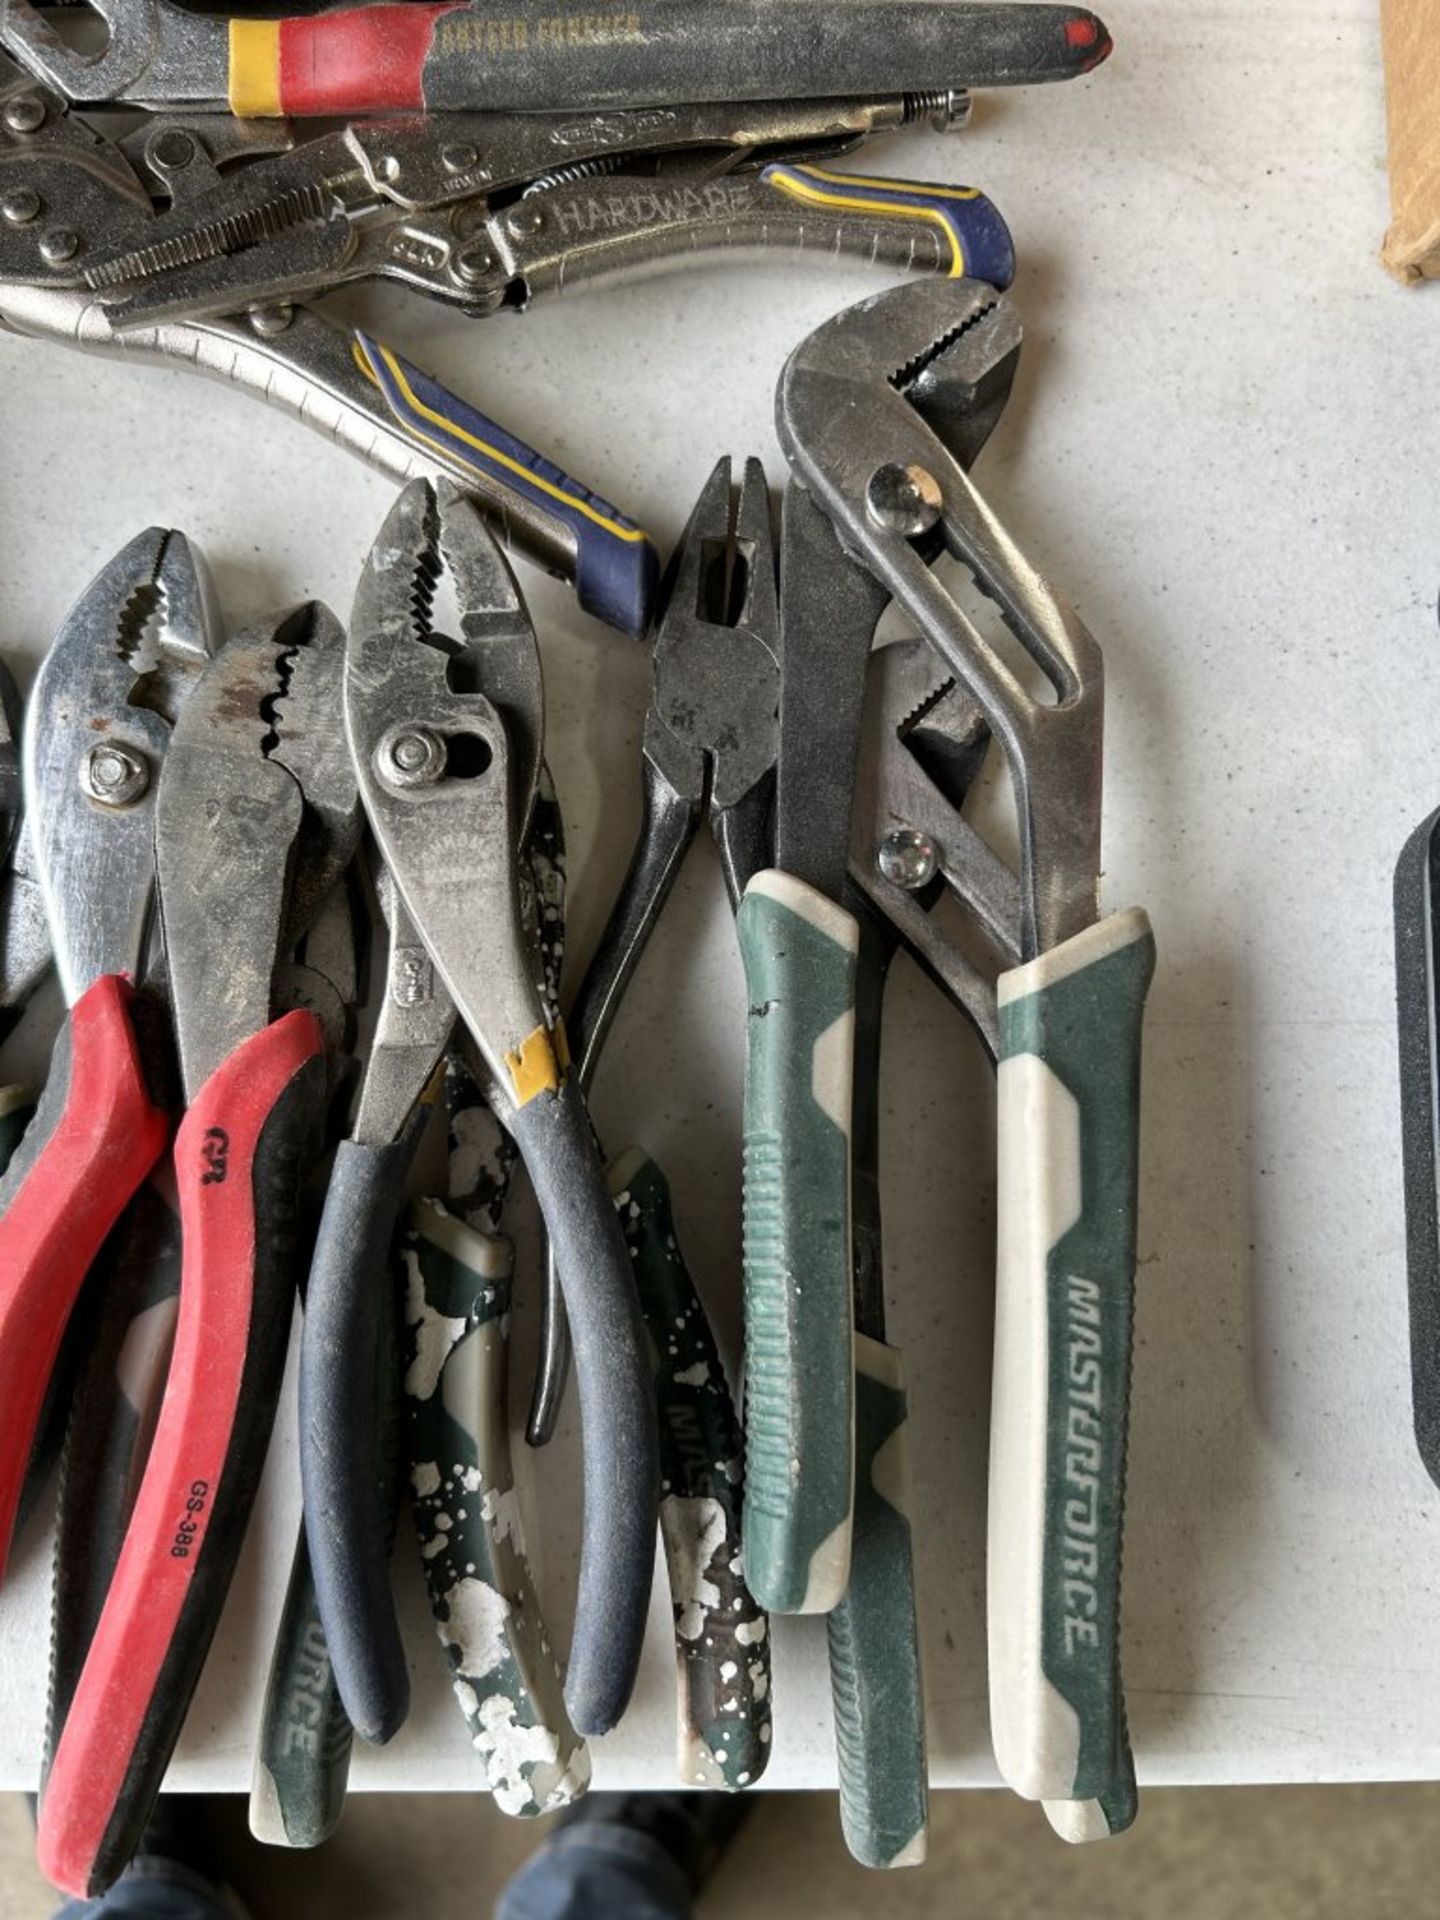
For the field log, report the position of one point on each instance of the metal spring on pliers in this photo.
(941, 106)
(577, 171)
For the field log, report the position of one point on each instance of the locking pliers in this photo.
(67, 191)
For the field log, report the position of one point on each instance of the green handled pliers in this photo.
(1069, 1008)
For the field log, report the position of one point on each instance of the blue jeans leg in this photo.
(152, 1889)
(595, 1871)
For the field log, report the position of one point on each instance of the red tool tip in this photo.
(1086, 34)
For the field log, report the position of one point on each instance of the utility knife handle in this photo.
(1417, 914)
(348, 1485)
(96, 1134)
(799, 950)
(240, 1155)
(1068, 1149)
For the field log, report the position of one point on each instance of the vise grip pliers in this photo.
(196, 242)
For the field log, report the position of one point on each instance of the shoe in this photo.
(696, 1829)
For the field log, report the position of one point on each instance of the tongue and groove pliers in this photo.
(1068, 1029)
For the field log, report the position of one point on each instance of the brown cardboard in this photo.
(1412, 89)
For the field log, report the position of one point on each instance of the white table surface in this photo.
(1222, 446)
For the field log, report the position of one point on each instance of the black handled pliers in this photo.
(711, 737)
(445, 732)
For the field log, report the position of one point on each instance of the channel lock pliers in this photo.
(457, 55)
(444, 734)
(256, 818)
(98, 730)
(876, 1680)
(912, 847)
(1069, 1033)
(800, 942)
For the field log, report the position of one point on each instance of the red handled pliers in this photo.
(256, 819)
(96, 734)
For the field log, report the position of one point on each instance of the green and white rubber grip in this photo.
(467, 1515)
(302, 1756)
(875, 1678)
(799, 951)
(1081, 1821)
(1068, 1149)
(722, 1638)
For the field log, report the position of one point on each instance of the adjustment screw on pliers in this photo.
(901, 499)
(25, 114)
(410, 757)
(114, 775)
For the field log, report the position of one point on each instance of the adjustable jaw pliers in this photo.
(1068, 1030)
(256, 818)
(98, 730)
(444, 731)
